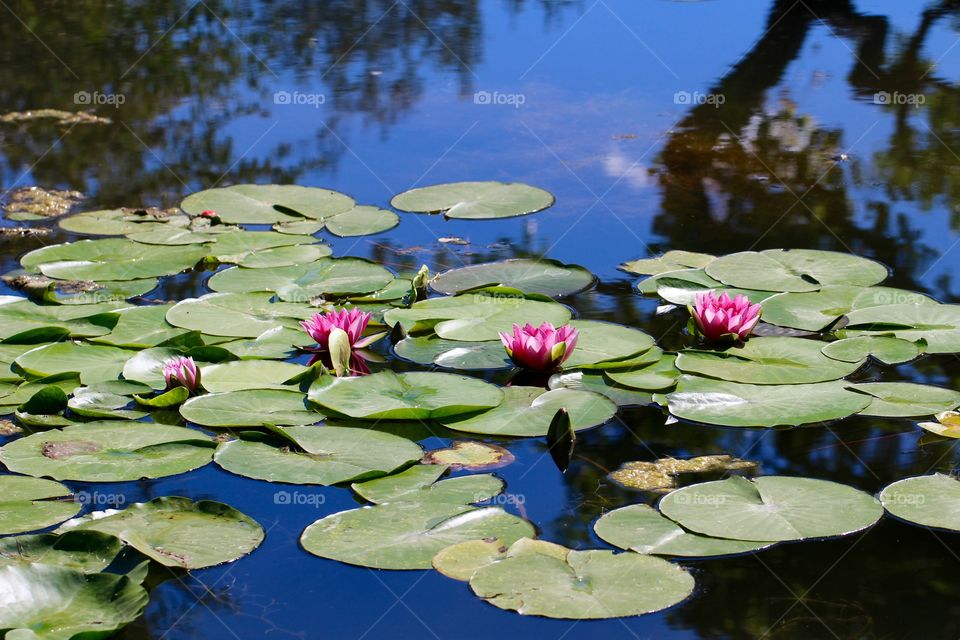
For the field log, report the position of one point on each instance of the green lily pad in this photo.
(546, 277)
(91, 403)
(29, 504)
(273, 344)
(250, 407)
(178, 532)
(328, 455)
(284, 256)
(86, 551)
(581, 585)
(604, 342)
(422, 484)
(407, 534)
(906, 399)
(937, 324)
(66, 292)
(794, 270)
(238, 315)
(46, 602)
(643, 529)
(248, 374)
(111, 259)
(22, 321)
(474, 200)
(772, 361)
(104, 222)
(885, 349)
(670, 261)
(453, 354)
(266, 204)
(681, 287)
(659, 375)
(734, 404)
(93, 363)
(108, 451)
(361, 221)
(406, 396)
(528, 411)
(928, 501)
(141, 327)
(239, 244)
(815, 310)
(771, 508)
(303, 282)
(475, 317)
(597, 382)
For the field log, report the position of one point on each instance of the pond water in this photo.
(713, 126)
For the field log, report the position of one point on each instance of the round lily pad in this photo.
(24, 321)
(771, 508)
(104, 222)
(597, 382)
(58, 603)
(470, 455)
(794, 270)
(303, 282)
(605, 342)
(422, 483)
(248, 374)
(929, 501)
(178, 532)
(938, 325)
(582, 585)
(86, 551)
(249, 407)
(670, 261)
(109, 451)
(886, 349)
(453, 354)
(111, 259)
(239, 315)
(407, 534)
(266, 204)
(474, 200)
(528, 411)
(323, 455)
(475, 317)
(93, 363)
(734, 404)
(361, 221)
(141, 327)
(815, 310)
(772, 360)
(29, 504)
(906, 399)
(643, 529)
(405, 396)
(547, 277)
(660, 375)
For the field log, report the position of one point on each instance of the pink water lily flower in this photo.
(353, 322)
(722, 318)
(181, 372)
(542, 348)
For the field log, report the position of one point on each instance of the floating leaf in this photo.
(750, 405)
(660, 375)
(93, 363)
(547, 277)
(643, 529)
(111, 259)
(816, 310)
(906, 399)
(605, 342)
(86, 551)
(301, 283)
(670, 261)
(794, 270)
(47, 401)
(597, 382)
(177, 532)
(470, 455)
(885, 349)
(937, 324)
(29, 504)
(141, 327)
(772, 361)
(109, 451)
(406, 396)
(327, 455)
(661, 475)
(407, 534)
(474, 200)
(23, 322)
(528, 411)
(421, 483)
(47, 602)
(771, 508)
(250, 407)
(89, 402)
(928, 501)
(239, 315)
(361, 221)
(582, 585)
(453, 354)
(266, 204)
(248, 374)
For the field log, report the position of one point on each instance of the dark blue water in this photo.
(713, 126)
